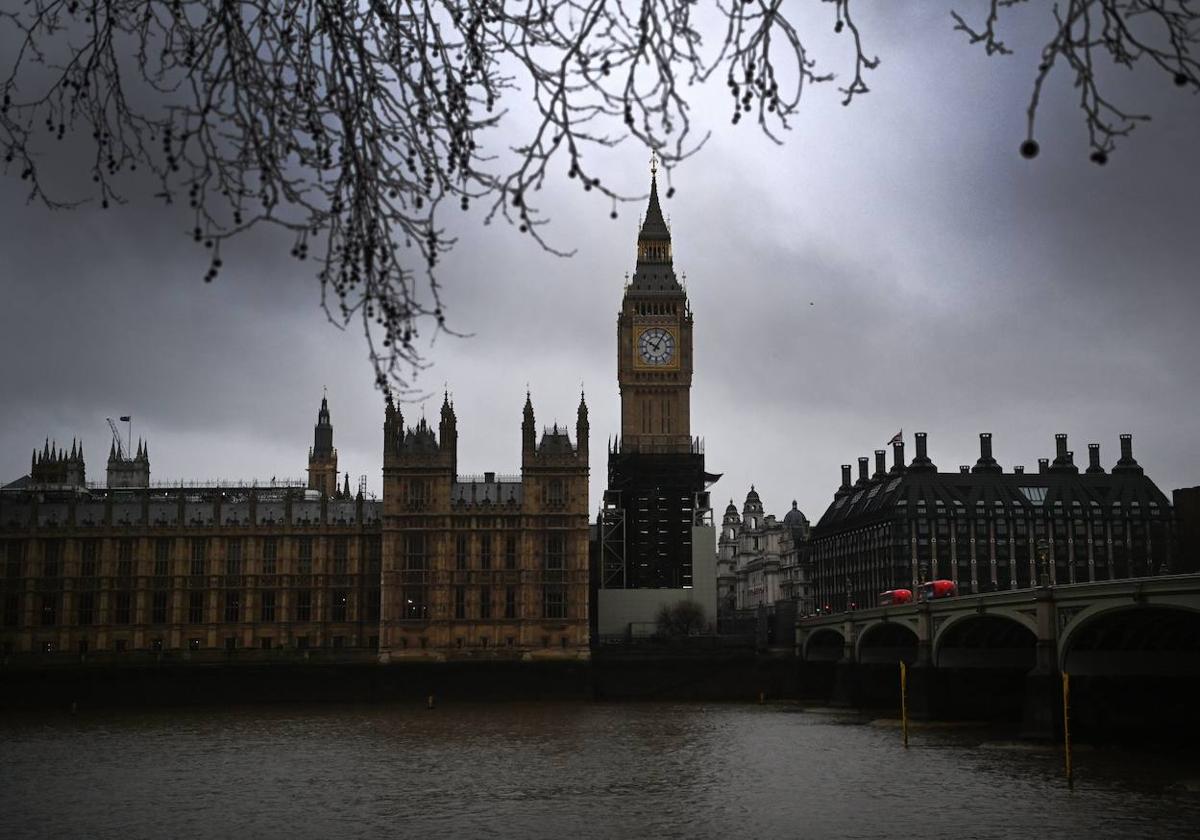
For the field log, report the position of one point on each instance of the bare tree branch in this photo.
(356, 125)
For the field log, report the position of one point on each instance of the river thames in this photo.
(564, 769)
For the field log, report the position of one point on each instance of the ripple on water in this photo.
(552, 769)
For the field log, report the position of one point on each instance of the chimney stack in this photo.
(964, 469)
(880, 464)
(1127, 464)
(921, 463)
(986, 462)
(862, 470)
(1064, 459)
(1019, 470)
(1043, 465)
(845, 488)
(1094, 459)
(898, 456)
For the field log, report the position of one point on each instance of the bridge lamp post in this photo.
(847, 593)
(1043, 552)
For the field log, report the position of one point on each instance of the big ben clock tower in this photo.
(654, 346)
(656, 478)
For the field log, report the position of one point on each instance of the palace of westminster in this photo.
(452, 566)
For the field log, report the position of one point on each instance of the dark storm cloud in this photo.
(896, 264)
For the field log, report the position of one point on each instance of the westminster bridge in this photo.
(980, 649)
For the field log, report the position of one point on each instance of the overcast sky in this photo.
(895, 264)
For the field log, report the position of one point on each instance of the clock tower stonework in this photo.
(654, 346)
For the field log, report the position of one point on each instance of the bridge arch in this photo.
(991, 639)
(886, 642)
(1132, 638)
(824, 644)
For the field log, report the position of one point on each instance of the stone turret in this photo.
(129, 472)
(322, 457)
(55, 467)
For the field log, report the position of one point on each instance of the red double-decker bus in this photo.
(895, 596)
(938, 589)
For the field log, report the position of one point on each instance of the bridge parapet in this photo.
(1053, 615)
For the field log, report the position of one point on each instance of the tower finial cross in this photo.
(654, 162)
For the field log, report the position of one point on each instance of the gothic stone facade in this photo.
(484, 566)
(192, 573)
(442, 567)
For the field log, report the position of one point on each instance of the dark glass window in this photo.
(485, 602)
(460, 552)
(125, 551)
(554, 601)
(199, 555)
(510, 602)
(460, 602)
(341, 555)
(374, 554)
(414, 552)
(89, 550)
(372, 604)
(510, 552)
(269, 550)
(233, 605)
(304, 605)
(86, 608)
(485, 551)
(196, 608)
(158, 613)
(122, 608)
(414, 603)
(556, 553)
(51, 558)
(339, 606)
(304, 555)
(233, 556)
(266, 605)
(162, 557)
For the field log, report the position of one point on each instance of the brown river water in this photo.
(574, 770)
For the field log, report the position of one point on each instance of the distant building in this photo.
(1187, 529)
(795, 562)
(762, 561)
(444, 566)
(981, 527)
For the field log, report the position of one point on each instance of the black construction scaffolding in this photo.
(652, 502)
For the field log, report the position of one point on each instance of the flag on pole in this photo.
(126, 418)
(897, 438)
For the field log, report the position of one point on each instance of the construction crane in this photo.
(121, 453)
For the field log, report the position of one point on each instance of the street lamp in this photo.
(1043, 551)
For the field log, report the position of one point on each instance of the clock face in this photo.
(656, 346)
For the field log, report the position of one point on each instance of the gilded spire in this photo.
(654, 266)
